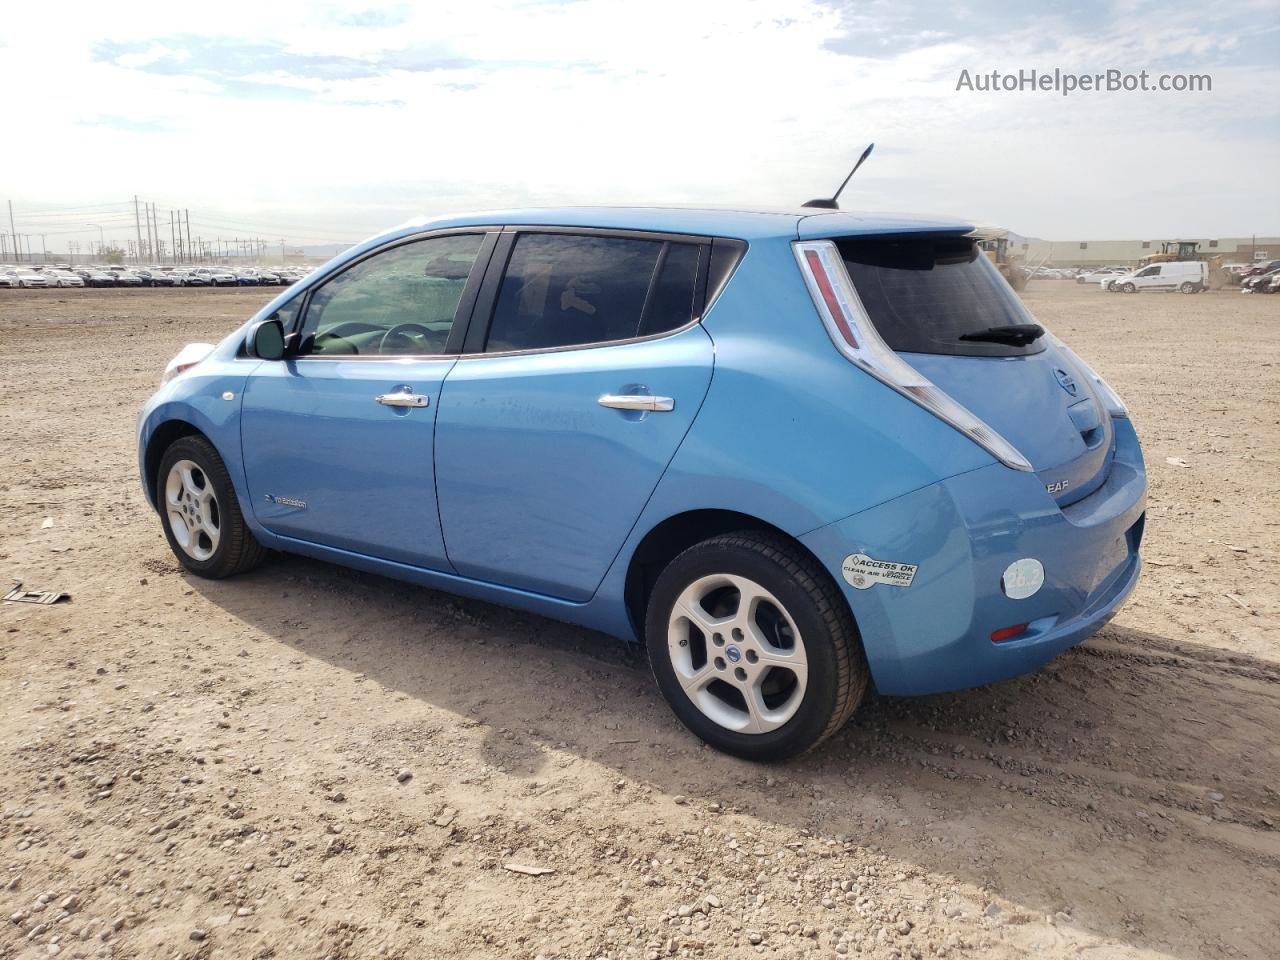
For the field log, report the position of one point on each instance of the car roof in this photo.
(739, 223)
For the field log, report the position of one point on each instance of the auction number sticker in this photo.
(861, 571)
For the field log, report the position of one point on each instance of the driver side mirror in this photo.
(266, 340)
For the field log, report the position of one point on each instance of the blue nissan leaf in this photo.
(792, 453)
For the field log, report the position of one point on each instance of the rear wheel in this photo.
(753, 646)
(1188, 287)
(201, 516)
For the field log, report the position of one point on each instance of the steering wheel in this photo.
(318, 342)
(344, 331)
(402, 330)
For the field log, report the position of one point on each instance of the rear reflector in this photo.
(856, 337)
(1008, 633)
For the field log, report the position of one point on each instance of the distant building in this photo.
(1107, 253)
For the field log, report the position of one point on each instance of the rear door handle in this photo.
(637, 401)
(402, 398)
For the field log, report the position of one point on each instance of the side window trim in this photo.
(482, 314)
(463, 316)
(482, 317)
(470, 294)
(653, 283)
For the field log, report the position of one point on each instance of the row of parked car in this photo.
(1185, 276)
(53, 275)
(1261, 278)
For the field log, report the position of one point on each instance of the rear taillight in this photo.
(853, 334)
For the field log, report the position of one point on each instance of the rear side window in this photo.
(671, 302)
(561, 290)
(924, 293)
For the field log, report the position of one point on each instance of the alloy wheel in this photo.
(192, 509)
(737, 653)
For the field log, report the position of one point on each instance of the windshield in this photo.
(935, 294)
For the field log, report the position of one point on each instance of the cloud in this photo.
(227, 59)
(270, 113)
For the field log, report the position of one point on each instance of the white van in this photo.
(1185, 276)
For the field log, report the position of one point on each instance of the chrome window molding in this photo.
(594, 345)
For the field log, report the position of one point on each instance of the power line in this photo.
(135, 226)
(71, 210)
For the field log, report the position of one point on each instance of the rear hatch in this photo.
(939, 302)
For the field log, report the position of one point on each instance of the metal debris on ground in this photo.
(18, 595)
(527, 871)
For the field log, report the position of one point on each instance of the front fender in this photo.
(208, 399)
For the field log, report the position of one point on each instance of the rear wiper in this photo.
(1016, 334)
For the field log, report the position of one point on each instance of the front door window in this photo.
(398, 302)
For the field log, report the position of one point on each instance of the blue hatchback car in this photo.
(791, 452)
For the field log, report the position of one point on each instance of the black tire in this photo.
(236, 551)
(1188, 287)
(1129, 288)
(837, 668)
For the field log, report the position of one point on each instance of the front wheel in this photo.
(753, 646)
(1129, 288)
(201, 516)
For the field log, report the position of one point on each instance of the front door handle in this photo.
(637, 401)
(402, 398)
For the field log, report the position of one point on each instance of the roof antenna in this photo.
(831, 204)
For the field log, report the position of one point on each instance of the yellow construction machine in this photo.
(994, 242)
(1179, 250)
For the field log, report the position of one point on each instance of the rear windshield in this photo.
(923, 293)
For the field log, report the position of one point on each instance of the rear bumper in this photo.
(962, 533)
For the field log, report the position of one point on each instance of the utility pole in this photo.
(172, 242)
(190, 250)
(137, 226)
(100, 236)
(12, 229)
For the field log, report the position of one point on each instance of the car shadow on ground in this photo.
(1077, 789)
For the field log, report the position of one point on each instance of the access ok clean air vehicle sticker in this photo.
(862, 571)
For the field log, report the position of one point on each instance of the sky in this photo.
(328, 122)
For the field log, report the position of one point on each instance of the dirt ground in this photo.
(308, 762)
